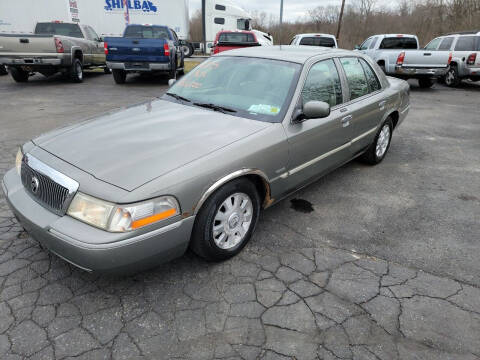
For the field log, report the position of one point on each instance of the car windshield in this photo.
(254, 88)
(146, 32)
(64, 29)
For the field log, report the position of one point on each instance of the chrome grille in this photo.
(44, 185)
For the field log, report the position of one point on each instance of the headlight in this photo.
(122, 218)
(18, 160)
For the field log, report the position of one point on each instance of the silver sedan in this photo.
(246, 128)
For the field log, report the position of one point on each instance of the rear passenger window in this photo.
(357, 81)
(323, 84)
(446, 43)
(467, 43)
(372, 79)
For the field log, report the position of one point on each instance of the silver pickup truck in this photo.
(400, 55)
(54, 47)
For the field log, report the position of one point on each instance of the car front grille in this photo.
(45, 190)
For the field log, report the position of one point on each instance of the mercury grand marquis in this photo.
(246, 128)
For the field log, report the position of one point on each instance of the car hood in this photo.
(132, 147)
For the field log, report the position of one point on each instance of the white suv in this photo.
(465, 48)
(325, 40)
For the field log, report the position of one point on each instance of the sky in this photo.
(293, 9)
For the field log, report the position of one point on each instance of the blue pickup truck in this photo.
(144, 48)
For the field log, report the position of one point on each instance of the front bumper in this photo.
(420, 72)
(138, 66)
(92, 249)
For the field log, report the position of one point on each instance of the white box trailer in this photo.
(107, 17)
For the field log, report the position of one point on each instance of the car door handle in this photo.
(427, 54)
(381, 104)
(346, 120)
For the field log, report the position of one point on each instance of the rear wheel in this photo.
(19, 75)
(377, 151)
(119, 76)
(226, 221)
(451, 78)
(425, 83)
(3, 70)
(106, 70)
(76, 72)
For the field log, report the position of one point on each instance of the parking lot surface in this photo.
(367, 263)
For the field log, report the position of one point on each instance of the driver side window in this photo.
(366, 44)
(323, 84)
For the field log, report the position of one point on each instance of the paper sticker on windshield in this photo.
(264, 109)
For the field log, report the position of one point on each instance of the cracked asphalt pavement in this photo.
(381, 263)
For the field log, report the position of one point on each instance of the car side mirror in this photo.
(357, 47)
(312, 110)
(99, 39)
(316, 109)
(171, 82)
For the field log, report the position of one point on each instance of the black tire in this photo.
(451, 78)
(172, 74)
(106, 70)
(203, 242)
(76, 71)
(19, 75)
(3, 70)
(425, 83)
(370, 156)
(120, 76)
(182, 68)
(187, 50)
(382, 66)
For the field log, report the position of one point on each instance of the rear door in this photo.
(366, 104)
(317, 145)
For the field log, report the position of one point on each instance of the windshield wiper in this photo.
(178, 97)
(214, 107)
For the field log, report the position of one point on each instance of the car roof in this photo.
(317, 34)
(297, 54)
(396, 35)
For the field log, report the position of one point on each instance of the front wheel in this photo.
(119, 76)
(425, 83)
(451, 78)
(19, 75)
(187, 50)
(226, 221)
(379, 148)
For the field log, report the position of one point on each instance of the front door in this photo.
(318, 145)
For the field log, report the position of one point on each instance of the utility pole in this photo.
(281, 21)
(340, 20)
(204, 28)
